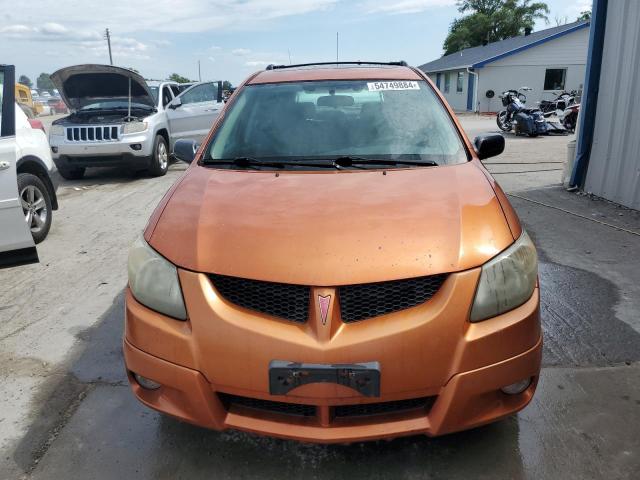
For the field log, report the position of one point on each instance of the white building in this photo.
(608, 159)
(548, 61)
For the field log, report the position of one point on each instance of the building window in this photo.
(554, 78)
(447, 82)
(459, 82)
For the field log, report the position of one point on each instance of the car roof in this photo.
(335, 72)
(158, 83)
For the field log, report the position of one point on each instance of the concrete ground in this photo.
(66, 410)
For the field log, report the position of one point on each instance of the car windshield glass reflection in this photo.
(333, 119)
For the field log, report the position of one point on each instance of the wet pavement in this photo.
(584, 421)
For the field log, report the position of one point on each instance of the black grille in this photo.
(267, 405)
(283, 300)
(342, 411)
(369, 300)
(383, 407)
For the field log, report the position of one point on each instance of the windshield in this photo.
(332, 119)
(113, 103)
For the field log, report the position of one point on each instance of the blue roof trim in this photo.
(531, 45)
(590, 94)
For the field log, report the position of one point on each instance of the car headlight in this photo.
(57, 130)
(507, 281)
(153, 280)
(134, 127)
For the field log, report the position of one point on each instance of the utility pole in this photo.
(199, 74)
(107, 35)
(337, 45)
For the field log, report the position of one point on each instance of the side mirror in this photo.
(185, 150)
(175, 103)
(489, 145)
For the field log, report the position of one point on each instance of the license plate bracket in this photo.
(364, 378)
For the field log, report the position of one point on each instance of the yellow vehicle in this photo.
(23, 96)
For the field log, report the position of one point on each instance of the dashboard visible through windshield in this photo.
(328, 120)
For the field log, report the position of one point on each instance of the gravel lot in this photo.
(66, 410)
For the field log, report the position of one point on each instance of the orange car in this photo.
(335, 265)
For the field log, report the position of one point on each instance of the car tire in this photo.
(160, 157)
(71, 173)
(36, 205)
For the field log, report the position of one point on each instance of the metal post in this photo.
(337, 45)
(108, 37)
(199, 74)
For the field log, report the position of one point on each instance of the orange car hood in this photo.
(332, 228)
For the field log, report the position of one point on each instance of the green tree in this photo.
(174, 77)
(44, 82)
(489, 21)
(586, 15)
(226, 85)
(24, 80)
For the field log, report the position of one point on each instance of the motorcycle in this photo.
(558, 104)
(569, 117)
(516, 117)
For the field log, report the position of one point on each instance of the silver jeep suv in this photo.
(118, 119)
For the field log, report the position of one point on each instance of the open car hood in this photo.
(81, 85)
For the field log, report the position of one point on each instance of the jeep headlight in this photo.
(57, 130)
(134, 127)
(507, 281)
(153, 280)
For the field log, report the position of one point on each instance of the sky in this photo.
(230, 38)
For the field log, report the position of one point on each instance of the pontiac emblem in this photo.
(324, 302)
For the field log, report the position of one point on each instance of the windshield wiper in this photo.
(248, 162)
(350, 161)
(338, 162)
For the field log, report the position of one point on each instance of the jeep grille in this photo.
(99, 133)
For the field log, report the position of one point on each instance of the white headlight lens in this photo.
(506, 281)
(134, 127)
(154, 281)
(57, 130)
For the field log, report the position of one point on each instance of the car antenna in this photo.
(129, 103)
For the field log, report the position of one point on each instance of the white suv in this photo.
(38, 177)
(16, 242)
(118, 119)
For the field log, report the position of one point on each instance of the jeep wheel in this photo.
(160, 158)
(36, 205)
(71, 173)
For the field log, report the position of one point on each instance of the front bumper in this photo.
(102, 154)
(430, 351)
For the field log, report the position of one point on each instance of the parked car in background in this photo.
(43, 107)
(57, 105)
(33, 121)
(118, 119)
(25, 99)
(336, 265)
(17, 245)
